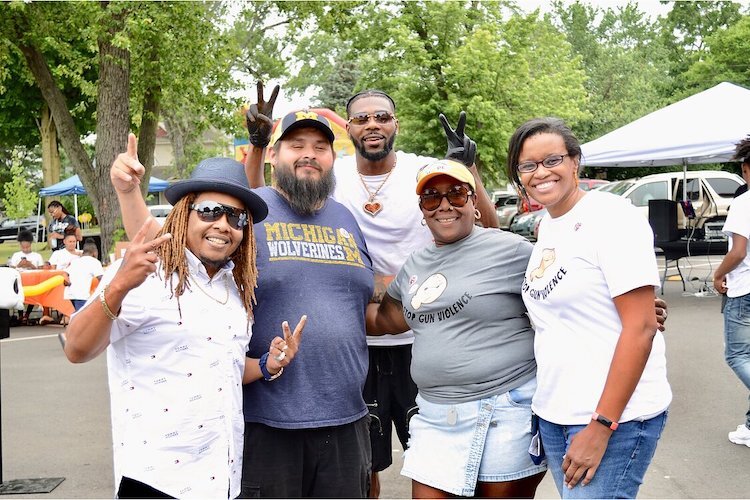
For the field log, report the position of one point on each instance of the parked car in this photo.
(160, 212)
(589, 184)
(532, 211)
(709, 192)
(527, 225)
(506, 206)
(9, 228)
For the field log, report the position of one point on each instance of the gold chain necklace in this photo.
(226, 288)
(371, 206)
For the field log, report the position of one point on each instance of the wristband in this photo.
(264, 369)
(604, 421)
(107, 311)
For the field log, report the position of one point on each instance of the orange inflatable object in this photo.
(43, 287)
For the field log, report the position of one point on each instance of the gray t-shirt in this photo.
(472, 337)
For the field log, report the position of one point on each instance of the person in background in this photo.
(732, 280)
(473, 352)
(26, 260)
(61, 259)
(602, 391)
(175, 316)
(62, 220)
(81, 273)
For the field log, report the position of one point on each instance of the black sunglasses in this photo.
(211, 211)
(381, 117)
(457, 196)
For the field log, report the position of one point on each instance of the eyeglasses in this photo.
(381, 117)
(457, 196)
(211, 211)
(551, 161)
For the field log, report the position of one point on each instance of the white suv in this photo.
(709, 191)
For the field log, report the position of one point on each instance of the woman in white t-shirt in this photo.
(602, 391)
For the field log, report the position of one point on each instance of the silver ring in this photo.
(280, 357)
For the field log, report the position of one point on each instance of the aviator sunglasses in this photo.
(381, 117)
(211, 211)
(457, 196)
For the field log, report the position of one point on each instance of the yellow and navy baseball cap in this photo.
(300, 119)
(450, 168)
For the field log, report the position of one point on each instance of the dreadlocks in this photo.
(742, 152)
(172, 255)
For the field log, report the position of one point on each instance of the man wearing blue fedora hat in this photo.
(307, 432)
(175, 317)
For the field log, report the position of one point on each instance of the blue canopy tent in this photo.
(73, 185)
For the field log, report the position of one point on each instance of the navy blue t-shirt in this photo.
(316, 265)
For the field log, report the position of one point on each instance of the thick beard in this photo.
(374, 155)
(304, 195)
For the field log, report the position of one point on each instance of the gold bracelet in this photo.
(107, 311)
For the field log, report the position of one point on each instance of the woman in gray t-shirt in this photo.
(473, 353)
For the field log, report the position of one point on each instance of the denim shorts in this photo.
(451, 447)
(629, 452)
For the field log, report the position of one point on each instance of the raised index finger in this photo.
(446, 126)
(297, 334)
(132, 146)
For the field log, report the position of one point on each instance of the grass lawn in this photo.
(8, 248)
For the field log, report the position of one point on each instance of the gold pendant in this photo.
(372, 207)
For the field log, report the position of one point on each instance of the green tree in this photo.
(685, 32)
(19, 200)
(726, 58)
(444, 57)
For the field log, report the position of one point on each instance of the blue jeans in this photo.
(737, 339)
(620, 473)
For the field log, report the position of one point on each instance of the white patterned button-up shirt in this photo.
(175, 379)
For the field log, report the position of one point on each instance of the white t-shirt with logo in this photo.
(738, 222)
(581, 261)
(397, 230)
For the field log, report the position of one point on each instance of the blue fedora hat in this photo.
(221, 175)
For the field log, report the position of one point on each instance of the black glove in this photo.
(460, 146)
(259, 118)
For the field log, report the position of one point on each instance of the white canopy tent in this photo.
(702, 128)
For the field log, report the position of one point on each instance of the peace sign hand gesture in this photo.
(126, 171)
(282, 351)
(141, 257)
(460, 146)
(259, 118)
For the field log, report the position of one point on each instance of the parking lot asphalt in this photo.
(55, 415)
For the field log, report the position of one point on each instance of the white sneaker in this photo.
(740, 436)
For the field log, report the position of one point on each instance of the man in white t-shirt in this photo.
(732, 278)
(61, 259)
(378, 185)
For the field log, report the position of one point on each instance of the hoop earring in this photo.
(424, 222)
(477, 214)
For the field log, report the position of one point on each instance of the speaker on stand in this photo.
(662, 216)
